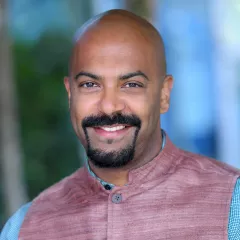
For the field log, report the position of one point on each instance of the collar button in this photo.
(107, 187)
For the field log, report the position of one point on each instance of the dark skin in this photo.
(118, 66)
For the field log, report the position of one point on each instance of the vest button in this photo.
(116, 198)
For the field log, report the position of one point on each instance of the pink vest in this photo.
(176, 196)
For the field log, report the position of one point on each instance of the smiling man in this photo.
(135, 184)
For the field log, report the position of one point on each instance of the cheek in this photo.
(149, 100)
(81, 106)
(140, 106)
(147, 108)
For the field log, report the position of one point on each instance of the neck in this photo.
(119, 176)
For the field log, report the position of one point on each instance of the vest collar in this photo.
(158, 165)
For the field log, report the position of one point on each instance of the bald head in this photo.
(122, 25)
(117, 89)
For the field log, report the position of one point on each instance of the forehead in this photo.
(114, 48)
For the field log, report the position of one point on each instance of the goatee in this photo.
(112, 159)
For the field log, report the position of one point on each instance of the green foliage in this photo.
(50, 146)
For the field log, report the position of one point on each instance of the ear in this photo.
(68, 89)
(167, 86)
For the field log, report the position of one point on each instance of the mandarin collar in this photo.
(135, 174)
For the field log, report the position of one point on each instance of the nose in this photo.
(110, 102)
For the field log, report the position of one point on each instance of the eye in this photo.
(133, 85)
(88, 85)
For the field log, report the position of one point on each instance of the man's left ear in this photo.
(167, 86)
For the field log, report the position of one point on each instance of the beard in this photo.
(111, 159)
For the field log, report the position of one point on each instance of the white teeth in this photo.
(113, 129)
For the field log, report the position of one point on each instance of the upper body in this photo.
(118, 88)
(176, 196)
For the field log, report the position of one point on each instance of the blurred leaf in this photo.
(51, 149)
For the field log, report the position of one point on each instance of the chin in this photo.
(111, 158)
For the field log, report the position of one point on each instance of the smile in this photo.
(113, 129)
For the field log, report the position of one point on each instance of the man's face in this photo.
(114, 94)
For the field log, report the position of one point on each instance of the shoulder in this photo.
(13, 225)
(59, 189)
(205, 164)
(236, 196)
(234, 217)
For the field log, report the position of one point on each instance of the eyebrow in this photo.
(133, 74)
(88, 74)
(122, 77)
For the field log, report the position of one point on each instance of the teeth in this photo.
(113, 129)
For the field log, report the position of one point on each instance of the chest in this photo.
(151, 213)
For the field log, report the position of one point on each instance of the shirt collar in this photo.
(109, 186)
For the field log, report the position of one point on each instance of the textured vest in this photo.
(176, 196)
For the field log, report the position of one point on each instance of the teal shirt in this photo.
(12, 227)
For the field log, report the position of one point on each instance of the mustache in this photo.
(103, 120)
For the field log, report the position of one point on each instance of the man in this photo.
(136, 184)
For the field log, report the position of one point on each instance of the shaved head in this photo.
(125, 24)
(117, 88)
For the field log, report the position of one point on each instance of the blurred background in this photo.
(37, 144)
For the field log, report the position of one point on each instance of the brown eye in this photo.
(88, 85)
(133, 85)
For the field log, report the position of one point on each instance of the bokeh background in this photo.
(37, 143)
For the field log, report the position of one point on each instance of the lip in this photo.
(115, 134)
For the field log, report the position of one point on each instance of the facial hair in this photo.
(112, 159)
